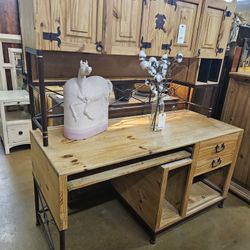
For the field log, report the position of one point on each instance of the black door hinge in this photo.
(167, 46)
(145, 45)
(53, 36)
(219, 51)
(172, 2)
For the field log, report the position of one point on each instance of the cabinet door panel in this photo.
(213, 22)
(151, 33)
(187, 15)
(214, 28)
(42, 23)
(80, 22)
(123, 22)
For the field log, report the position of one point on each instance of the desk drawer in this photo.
(216, 153)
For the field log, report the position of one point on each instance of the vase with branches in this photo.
(159, 83)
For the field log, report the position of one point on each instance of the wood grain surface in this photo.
(128, 139)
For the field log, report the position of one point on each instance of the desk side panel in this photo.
(144, 192)
(52, 186)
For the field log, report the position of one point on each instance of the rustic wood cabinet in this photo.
(80, 24)
(193, 27)
(215, 24)
(236, 111)
(178, 30)
(75, 26)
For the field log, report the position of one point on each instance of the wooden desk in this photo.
(165, 168)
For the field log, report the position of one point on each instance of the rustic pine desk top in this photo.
(126, 139)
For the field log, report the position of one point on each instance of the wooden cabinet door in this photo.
(80, 23)
(215, 28)
(123, 26)
(185, 26)
(163, 25)
(156, 28)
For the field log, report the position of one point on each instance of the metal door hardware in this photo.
(219, 51)
(53, 36)
(216, 163)
(172, 2)
(99, 46)
(167, 46)
(227, 13)
(145, 45)
(220, 147)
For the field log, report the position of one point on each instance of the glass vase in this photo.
(158, 116)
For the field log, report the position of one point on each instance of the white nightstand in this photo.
(15, 121)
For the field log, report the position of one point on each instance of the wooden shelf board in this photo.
(200, 195)
(169, 215)
(208, 83)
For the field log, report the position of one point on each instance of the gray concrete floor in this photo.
(109, 226)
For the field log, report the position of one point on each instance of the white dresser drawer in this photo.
(19, 133)
(11, 103)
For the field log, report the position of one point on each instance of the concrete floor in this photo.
(109, 226)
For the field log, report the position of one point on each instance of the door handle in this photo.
(220, 147)
(216, 163)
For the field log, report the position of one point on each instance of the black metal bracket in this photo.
(99, 46)
(53, 36)
(160, 21)
(145, 45)
(167, 46)
(172, 2)
(219, 51)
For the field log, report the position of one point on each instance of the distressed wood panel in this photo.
(214, 28)
(9, 19)
(236, 111)
(80, 23)
(123, 22)
(53, 187)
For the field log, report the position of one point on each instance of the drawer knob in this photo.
(216, 163)
(20, 132)
(219, 147)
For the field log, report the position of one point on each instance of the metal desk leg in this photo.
(62, 240)
(152, 238)
(221, 203)
(44, 218)
(43, 105)
(37, 209)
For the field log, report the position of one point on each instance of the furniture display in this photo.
(236, 112)
(164, 176)
(196, 28)
(15, 119)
